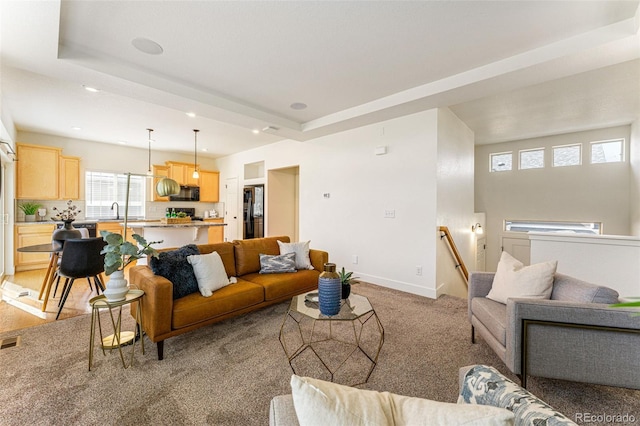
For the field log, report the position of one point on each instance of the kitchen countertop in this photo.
(158, 224)
(52, 222)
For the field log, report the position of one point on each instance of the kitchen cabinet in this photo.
(159, 171)
(116, 228)
(38, 170)
(182, 173)
(69, 178)
(216, 233)
(209, 186)
(29, 235)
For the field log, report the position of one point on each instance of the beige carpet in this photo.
(226, 374)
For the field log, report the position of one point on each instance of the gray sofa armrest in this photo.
(576, 353)
(282, 412)
(479, 286)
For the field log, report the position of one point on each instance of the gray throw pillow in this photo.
(173, 265)
(277, 264)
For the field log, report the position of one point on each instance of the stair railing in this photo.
(456, 254)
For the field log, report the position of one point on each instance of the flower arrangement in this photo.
(68, 214)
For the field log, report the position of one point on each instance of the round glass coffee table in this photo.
(339, 348)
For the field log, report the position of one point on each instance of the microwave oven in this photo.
(187, 193)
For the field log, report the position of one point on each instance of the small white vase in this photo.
(117, 287)
(30, 218)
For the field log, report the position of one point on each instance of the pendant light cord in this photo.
(195, 154)
(149, 171)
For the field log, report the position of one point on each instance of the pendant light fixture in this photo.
(196, 175)
(149, 172)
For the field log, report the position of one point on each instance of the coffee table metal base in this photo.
(348, 343)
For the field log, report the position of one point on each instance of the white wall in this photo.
(634, 181)
(361, 186)
(598, 192)
(455, 199)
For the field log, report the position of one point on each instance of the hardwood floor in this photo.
(30, 313)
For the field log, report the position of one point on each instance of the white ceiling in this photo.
(510, 70)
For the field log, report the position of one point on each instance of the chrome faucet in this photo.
(117, 209)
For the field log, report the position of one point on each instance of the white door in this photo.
(231, 210)
(481, 250)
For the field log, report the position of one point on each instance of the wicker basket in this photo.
(170, 220)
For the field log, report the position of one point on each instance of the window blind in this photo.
(102, 189)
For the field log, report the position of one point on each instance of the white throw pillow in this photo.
(210, 273)
(513, 279)
(301, 250)
(322, 403)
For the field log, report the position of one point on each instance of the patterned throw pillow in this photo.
(173, 266)
(277, 264)
(485, 385)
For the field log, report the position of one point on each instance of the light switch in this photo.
(389, 214)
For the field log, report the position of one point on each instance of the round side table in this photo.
(119, 338)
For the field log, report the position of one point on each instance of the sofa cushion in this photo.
(276, 264)
(226, 252)
(485, 385)
(279, 286)
(209, 271)
(195, 308)
(301, 249)
(318, 402)
(247, 253)
(570, 289)
(173, 266)
(513, 279)
(492, 315)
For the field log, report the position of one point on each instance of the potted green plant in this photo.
(30, 210)
(118, 254)
(346, 279)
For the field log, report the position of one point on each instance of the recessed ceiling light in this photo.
(255, 131)
(191, 114)
(90, 89)
(122, 142)
(298, 105)
(204, 150)
(147, 46)
(76, 128)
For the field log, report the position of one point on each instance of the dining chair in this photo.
(84, 232)
(81, 259)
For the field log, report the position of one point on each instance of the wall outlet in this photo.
(418, 270)
(389, 214)
(354, 259)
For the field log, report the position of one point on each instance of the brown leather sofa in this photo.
(164, 317)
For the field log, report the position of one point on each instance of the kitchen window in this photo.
(102, 189)
(607, 151)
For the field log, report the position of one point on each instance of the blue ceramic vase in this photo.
(329, 290)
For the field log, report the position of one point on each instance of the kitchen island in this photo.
(174, 234)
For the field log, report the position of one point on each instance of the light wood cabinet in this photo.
(69, 178)
(216, 233)
(43, 173)
(209, 186)
(29, 235)
(159, 171)
(182, 173)
(114, 227)
(38, 171)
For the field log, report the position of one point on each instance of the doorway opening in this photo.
(283, 202)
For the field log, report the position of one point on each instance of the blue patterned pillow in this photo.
(173, 266)
(276, 264)
(485, 385)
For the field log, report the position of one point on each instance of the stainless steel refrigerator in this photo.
(253, 215)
